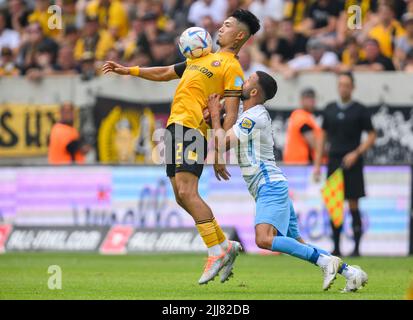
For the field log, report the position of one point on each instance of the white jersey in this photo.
(256, 149)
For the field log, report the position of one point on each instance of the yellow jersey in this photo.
(115, 16)
(386, 36)
(219, 73)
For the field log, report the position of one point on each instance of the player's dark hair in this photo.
(347, 74)
(248, 18)
(268, 85)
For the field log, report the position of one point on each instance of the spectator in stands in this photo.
(139, 58)
(42, 16)
(44, 62)
(386, 31)
(71, 35)
(405, 43)
(318, 59)
(297, 10)
(150, 27)
(233, 5)
(66, 63)
(19, 15)
(270, 41)
(93, 40)
(321, 19)
(293, 45)
(374, 60)
(273, 9)
(344, 121)
(368, 16)
(214, 8)
(248, 65)
(33, 40)
(163, 22)
(295, 42)
(302, 132)
(68, 12)
(136, 39)
(65, 145)
(164, 51)
(111, 15)
(351, 54)
(88, 68)
(7, 65)
(409, 62)
(8, 38)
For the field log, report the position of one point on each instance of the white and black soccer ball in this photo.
(195, 42)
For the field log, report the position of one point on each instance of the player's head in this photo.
(260, 86)
(237, 29)
(345, 85)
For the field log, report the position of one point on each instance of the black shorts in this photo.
(185, 150)
(353, 177)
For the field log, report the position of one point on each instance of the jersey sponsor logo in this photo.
(203, 70)
(238, 82)
(216, 63)
(247, 125)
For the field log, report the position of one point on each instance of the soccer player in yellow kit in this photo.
(185, 140)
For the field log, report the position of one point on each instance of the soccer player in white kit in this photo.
(276, 226)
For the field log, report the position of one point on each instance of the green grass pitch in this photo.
(175, 276)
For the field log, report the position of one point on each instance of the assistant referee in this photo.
(343, 124)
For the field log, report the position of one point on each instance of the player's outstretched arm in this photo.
(153, 73)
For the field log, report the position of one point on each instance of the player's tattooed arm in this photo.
(215, 107)
(225, 140)
(231, 112)
(154, 73)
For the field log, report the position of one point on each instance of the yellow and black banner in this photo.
(25, 129)
(124, 130)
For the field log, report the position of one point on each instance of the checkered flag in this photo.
(333, 196)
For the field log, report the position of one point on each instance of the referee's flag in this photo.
(333, 196)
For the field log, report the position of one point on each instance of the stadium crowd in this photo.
(296, 35)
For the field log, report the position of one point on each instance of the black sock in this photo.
(357, 228)
(336, 238)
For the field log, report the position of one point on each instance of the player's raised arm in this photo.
(152, 73)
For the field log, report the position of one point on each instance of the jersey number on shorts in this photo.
(178, 153)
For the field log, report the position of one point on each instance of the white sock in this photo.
(215, 250)
(323, 260)
(348, 271)
(224, 244)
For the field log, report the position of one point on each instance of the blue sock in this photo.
(322, 251)
(294, 248)
(343, 266)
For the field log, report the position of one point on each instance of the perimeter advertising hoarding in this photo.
(62, 238)
(141, 197)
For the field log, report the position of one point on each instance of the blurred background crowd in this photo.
(296, 35)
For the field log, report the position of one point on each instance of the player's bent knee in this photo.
(264, 241)
(186, 194)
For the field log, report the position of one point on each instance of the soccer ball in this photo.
(195, 42)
